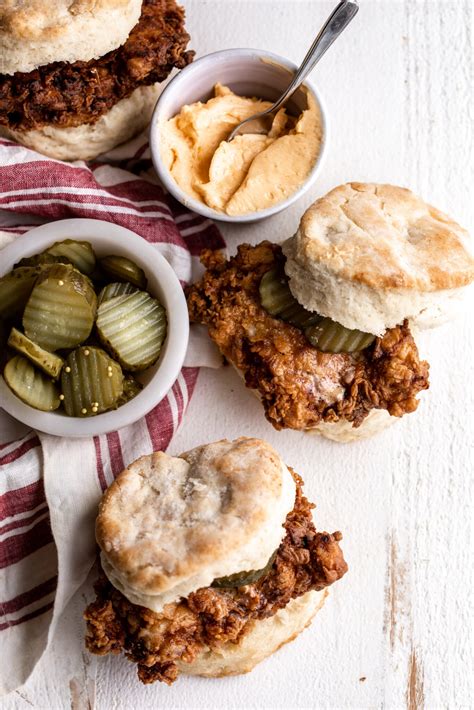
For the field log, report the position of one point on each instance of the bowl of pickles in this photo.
(93, 327)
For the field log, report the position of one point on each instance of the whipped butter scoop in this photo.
(252, 172)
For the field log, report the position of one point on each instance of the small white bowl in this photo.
(107, 238)
(248, 72)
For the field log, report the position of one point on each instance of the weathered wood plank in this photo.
(395, 632)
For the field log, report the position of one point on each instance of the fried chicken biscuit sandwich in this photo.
(78, 77)
(210, 561)
(322, 327)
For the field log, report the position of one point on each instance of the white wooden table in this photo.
(396, 630)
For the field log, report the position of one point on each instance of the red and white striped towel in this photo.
(49, 487)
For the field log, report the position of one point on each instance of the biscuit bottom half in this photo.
(85, 142)
(262, 640)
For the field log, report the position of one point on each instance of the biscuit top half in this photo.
(385, 237)
(170, 525)
(38, 32)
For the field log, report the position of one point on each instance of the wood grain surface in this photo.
(396, 632)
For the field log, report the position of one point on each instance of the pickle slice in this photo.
(43, 259)
(331, 337)
(120, 268)
(275, 294)
(91, 382)
(133, 329)
(240, 579)
(277, 299)
(323, 333)
(80, 254)
(131, 387)
(115, 289)
(32, 387)
(48, 362)
(60, 311)
(15, 290)
(299, 316)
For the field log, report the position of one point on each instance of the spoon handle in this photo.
(329, 32)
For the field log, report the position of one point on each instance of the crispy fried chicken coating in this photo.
(306, 560)
(299, 386)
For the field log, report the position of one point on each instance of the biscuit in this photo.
(265, 637)
(369, 256)
(170, 525)
(344, 432)
(124, 120)
(37, 32)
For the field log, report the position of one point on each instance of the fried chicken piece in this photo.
(299, 386)
(306, 560)
(70, 94)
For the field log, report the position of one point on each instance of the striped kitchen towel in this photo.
(50, 487)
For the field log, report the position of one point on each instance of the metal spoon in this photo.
(330, 31)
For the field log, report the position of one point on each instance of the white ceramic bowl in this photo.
(248, 72)
(107, 238)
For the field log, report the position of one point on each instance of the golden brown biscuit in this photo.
(37, 32)
(369, 256)
(170, 525)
